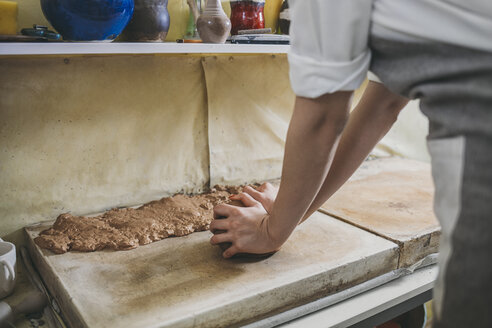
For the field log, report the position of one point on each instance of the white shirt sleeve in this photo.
(329, 45)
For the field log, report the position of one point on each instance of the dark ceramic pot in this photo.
(284, 18)
(150, 21)
(88, 20)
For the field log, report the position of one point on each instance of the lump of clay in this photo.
(121, 229)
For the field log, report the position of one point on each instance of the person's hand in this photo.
(246, 228)
(265, 194)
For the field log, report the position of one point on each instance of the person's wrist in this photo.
(277, 235)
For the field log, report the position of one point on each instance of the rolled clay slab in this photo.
(127, 228)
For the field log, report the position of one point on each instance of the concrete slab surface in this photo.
(184, 282)
(392, 198)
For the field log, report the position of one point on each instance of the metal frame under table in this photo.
(366, 309)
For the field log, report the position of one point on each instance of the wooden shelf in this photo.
(116, 48)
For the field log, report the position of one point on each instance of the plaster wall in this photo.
(85, 134)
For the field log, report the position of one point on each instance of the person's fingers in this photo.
(247, 200)
(267, 186)
(224, 210)
(264, 186)
(231, 251)
(234, 197)
(220, 224)
(253, 193)
(220, 238)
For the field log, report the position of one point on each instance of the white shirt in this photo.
(329, 38)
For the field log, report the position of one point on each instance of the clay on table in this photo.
(127, 228)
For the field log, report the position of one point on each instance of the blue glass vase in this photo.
(88, 20)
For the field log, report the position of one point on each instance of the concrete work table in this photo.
(369, 308)
(184, 282)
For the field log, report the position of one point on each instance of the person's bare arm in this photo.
(310, 149)
(313, 135)
(370, 120)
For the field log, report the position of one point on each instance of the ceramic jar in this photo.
(213, 25)
(247, 15)
(284, 18)
(272, 11)
(8, 264)
(88, 20)
(150, 21)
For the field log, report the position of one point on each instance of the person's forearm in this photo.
(368, 123)
(312, 137)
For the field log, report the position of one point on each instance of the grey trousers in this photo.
(454, 85)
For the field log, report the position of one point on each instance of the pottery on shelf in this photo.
(88, 20)
(284, 18)
(191, 31)
(247, 15)
(272, 11)
(150, 21)
(213, 25)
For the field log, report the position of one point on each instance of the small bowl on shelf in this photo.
(88, 20)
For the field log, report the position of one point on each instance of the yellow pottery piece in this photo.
(272, 10)
(8, 17)
(178, 12)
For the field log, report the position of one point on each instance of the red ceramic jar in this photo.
(247, 15)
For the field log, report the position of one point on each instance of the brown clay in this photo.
(127, 228)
